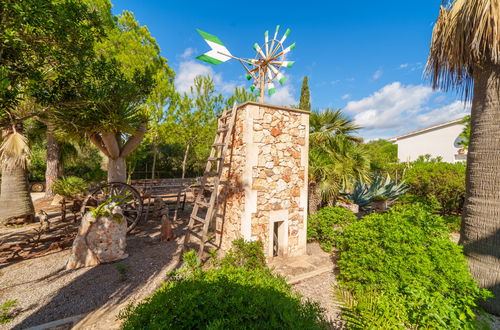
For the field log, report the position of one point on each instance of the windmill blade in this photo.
(286, 64)
(259, 50)
(289, 48)
(285, 36)
(274, 40)
(271, 89)
(266, 39)
(218, 54)
(281, 78)
(276, 33)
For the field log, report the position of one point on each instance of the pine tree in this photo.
(305, 96)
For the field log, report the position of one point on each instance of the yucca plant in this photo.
(380, 188)
(70, 186)
(465, 55)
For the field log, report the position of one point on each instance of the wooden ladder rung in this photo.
(203, 204)
(218, 144)
(211, 159)
(197, 218)
(195, 234)
(211, 173)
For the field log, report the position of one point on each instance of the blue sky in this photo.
(365, 57)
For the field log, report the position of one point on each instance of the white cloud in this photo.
(390, 106)
(397, 109)
(188, 70)
(455, 110)
(377, 74)
(188, 52)
(402, 66)
(283, 96)
(346, 96)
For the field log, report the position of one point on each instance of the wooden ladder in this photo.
(216, 159)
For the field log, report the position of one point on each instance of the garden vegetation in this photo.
(400, 269)
(238, 291)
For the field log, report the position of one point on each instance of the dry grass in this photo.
(466, 35)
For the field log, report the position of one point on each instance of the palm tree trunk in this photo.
(480, 232)
(15, 199)
(314, 198)
(53, 171)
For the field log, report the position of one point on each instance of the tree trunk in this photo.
(314, 198)
(184, 161)
(480, 232)
(155, 152)
(117, 170)
(53, 170)
(15, 199)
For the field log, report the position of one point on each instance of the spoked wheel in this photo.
(126, 196)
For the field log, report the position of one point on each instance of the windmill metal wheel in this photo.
(124, 194)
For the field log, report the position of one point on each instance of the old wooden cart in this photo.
(137, 198)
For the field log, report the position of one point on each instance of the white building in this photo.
(438, 141)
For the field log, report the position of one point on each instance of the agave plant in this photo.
(380, 188)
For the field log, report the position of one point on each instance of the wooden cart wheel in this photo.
(37, 187)
(129, 198)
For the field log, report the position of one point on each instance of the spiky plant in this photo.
(465, 55)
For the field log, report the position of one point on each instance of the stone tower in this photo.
(266, 192)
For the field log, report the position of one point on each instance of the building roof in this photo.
(423, 130)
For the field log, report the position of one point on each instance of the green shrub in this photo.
(405, 261)
(89, 173)
(325, 226)
(453, 222)
(435, 179)
(69, 186)
(6, 311)
(226, 297)
(245, 254)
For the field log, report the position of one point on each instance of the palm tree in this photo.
(336, 160)
(465, 54)
(15, 198)
(331, 123)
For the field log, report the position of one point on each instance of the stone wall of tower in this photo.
(266, 179)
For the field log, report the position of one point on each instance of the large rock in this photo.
(99, 240)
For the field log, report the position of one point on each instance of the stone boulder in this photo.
(99, 240)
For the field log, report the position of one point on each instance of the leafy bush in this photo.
(89, 172)
(226, 297)
(435, 179)
(416, 277)
(69, 186)
(326, 224)
(245, 254)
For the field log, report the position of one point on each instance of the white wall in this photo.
(436, 142)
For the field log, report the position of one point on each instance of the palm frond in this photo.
(14, 150)
(466, 36)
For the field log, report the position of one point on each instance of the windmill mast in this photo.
(262, 85)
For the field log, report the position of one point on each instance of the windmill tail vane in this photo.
(264, 68)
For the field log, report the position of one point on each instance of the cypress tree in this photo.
(305, 96)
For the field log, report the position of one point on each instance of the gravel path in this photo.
(46, 292)
(320, 289)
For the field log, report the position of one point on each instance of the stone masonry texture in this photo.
(266, 177)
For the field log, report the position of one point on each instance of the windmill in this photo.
(264, 69)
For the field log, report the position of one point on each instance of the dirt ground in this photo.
(46, 292)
